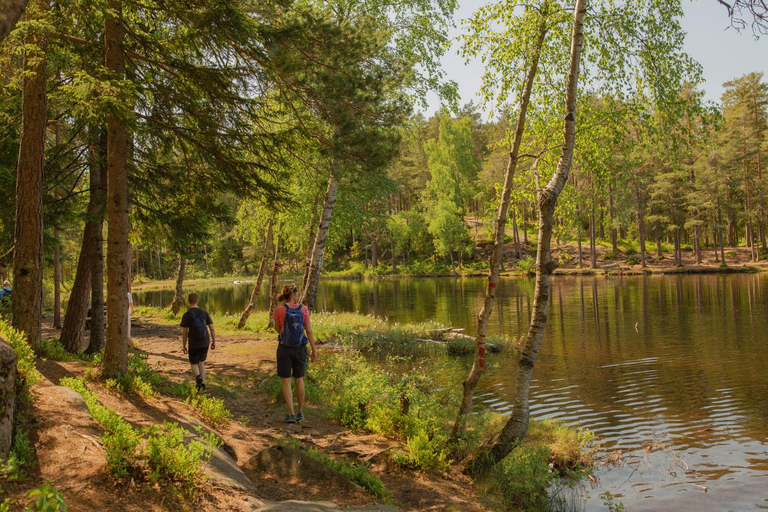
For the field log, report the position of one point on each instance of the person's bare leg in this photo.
(300, 393)
(201, 367)
(195, 370)
(288, 395)
(130, 340)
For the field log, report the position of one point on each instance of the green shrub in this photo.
(22, 453)
(170, 459)
(632, 260)
(731, 254)
(526, 264)
(425, 452)
(142, 380)
(212, 409)
(523, 478)
(25, 358)
(54, 350)
(611, 255)
(402, 339)
(362, 396)
(49, 499)
(460, 346)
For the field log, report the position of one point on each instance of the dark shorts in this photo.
(198, 355)
(291, 361)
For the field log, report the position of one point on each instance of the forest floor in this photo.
(68, 453)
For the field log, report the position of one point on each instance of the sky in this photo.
(723, 52)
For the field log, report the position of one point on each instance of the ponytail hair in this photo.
(288, 290)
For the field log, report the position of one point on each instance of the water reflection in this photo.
(673, 363)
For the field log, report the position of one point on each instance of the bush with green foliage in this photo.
(527, 264)
(401, 404)
(212, 409)
(48, 499)
(553, 456)
(633, 260)
(170, 459)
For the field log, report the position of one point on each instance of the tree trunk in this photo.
(56, 280)
(115, 362)
(592, 243)
(641, 228)
(259, 278)
(601, 225)
(309, 293)
(275, 272)
(525, 224)
(697, 243)
(310, 242)
(494, 263)
(720, 230)
(178, 297)
(10, 13)
(581, 255)
(98, 186)
(28, 256)
(612, 213)
(80, 296)
(374, 253)
(517, 426)
(515, 235)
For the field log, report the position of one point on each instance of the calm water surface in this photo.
(671, 371)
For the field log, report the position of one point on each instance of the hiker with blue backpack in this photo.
(195, 325)
(292, 324)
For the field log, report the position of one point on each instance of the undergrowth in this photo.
(402, 404)
(159, 453)
(553, 458)
(22, 451)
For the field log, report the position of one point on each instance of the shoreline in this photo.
(612, 270)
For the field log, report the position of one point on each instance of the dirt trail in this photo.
(236, 369)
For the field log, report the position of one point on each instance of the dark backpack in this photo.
(293, 327)
(199, 327)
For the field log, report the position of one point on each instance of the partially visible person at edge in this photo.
(292, 324)
(195, 325)
(5, 294)
(130, 312)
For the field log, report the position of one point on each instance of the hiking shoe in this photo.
(300, 416)
(289, 418)
(199, 383)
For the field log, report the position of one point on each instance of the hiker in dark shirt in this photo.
(292, 322)
(195, 324)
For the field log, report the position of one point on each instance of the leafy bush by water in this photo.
(365, 397)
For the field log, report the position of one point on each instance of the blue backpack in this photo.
(293, 327)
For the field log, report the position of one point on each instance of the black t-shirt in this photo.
(197, 321)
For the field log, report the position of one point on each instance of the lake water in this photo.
(669, 370)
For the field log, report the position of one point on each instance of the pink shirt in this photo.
(280, 315)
